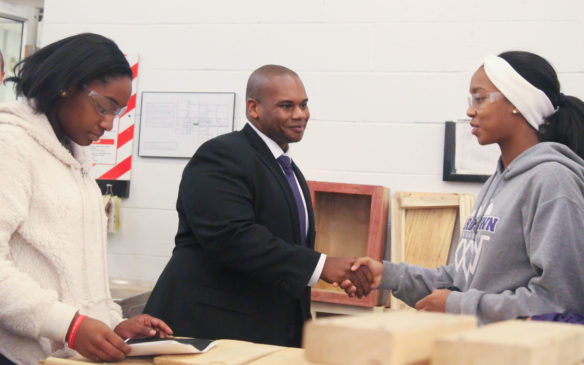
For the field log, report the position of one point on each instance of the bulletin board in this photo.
(175, 124)
(464, 158)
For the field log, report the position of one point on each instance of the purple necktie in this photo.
(286, 164)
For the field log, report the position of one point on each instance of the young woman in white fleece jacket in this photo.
(53, 268)
(521, 250)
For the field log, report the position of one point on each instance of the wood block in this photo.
(350, 220)
(225, 352)
(319, 309)
(513, 342)
(395, 338)
(422, 228)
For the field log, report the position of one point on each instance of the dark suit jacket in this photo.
(238, 270)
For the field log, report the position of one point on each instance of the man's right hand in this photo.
(338, 269)
(375, 269)
(97, 342)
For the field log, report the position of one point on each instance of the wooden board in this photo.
(513, 342)
(394, 338)
(322, 309)
(225, 352)
(422, 228)
(350, 220)
(83, 361)
(287, 356)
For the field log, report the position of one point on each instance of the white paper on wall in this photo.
(175, 124)
(472, 158)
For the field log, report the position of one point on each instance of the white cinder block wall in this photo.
(382, 77)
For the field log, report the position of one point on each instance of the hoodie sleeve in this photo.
(115, 314)
(26, 309)
(554, 244)
(411, 283)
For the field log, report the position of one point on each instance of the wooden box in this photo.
(423, 228)
(513, 342)
(350, 220)
(393, 338)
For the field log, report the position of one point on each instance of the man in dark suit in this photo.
(244, 261)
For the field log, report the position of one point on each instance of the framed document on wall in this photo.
(464, 158)
(175, 124)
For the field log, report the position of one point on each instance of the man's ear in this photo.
(252, 108)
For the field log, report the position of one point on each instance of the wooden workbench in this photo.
(225, 352)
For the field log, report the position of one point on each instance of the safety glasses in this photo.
(476, 100)
(105, 106)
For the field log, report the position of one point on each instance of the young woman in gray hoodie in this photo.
(520, 251)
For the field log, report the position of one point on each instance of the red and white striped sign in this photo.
(112, 154)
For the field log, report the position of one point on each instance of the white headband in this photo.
(531, 102)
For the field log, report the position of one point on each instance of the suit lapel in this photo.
(266, 156)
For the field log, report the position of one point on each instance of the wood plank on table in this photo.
(285, 356)
(142, 360)
(225, 352)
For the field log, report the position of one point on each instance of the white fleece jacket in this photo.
(52, 238)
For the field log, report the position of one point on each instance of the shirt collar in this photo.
(272, 146)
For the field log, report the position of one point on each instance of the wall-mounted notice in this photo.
(464, 158)
(175, 124)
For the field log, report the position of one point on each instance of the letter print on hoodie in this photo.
(475, 234)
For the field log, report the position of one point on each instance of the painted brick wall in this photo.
(382, 77)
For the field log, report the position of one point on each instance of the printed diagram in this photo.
(205, 120)
(176, 124)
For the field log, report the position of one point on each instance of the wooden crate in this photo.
(422, 228)
(350, 220)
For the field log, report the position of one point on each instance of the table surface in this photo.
(225, 352)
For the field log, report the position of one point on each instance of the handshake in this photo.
(357, 276)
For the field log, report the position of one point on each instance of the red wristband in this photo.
(74, 328)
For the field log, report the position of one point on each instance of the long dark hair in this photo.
(566, 125)
(66, 65)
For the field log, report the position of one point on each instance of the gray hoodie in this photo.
(521, 251)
